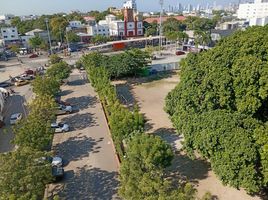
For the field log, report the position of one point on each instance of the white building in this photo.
(130, 4)
(258, 21)
(98, 29)
(257, 9)
(9, 34)
(75, 24)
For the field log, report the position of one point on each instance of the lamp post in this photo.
(161, 2)
(46, 20)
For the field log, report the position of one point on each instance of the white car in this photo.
(62, 109)
(60, 127)
(56, 161)
(15, 118)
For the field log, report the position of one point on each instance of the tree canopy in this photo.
(142, 171)
(220, 106)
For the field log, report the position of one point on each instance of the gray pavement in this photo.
(14, 104)
(90, 164)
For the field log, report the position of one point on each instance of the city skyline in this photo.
(18, 7)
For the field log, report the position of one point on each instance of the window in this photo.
(103, 30)
(13, 31)
(4, 31)
(5, 36)
(139, 32)
(12, 36)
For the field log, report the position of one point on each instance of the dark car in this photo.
(57, 172)
(178, 53)
(29, 72)
(4, 84)
(33, 56)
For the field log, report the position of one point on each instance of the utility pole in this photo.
(161, 2)
(46, 20)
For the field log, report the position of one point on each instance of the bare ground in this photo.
(149, 95)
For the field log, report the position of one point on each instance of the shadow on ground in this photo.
(89, 183)
(170, 136)
(75, 148)
(65, 92)
(80, 121)
(187, 169)
(83, 102)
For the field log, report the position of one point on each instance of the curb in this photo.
(109, 130)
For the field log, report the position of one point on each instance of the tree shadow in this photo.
(75, 148)
(83, 102)
(185, 168)
(88, 183)
(151, 78)
(80, 121)
(76, 80)
(170, 136)
(125, 95)
(65, 92)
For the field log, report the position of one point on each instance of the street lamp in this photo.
(46, 20)
(161, 2)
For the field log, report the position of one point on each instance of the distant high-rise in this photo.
(131, 4)
(258, 9)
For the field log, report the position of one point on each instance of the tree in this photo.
(151, 29)
(220, 106)
(45, 86)
(72, 37)
(35, 42)
(59, 71)
(22, 175)
(142, 171)
(173, 25)
(54, 59)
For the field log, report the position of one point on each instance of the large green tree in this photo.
(220, 106)
(142, 171)
(22, 175)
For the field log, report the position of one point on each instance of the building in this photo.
(75, 24)
(133, 25)
(257, 9)
(98, 29)
(89, 20)
(39, 33)
(130, 4)
(258, 21)
(10, 35)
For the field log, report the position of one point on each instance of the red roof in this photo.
(89, 18)
(152, 19)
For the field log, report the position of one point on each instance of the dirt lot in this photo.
(149, 94)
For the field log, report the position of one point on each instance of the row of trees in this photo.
(24, 172)
(144, 157)
(174, 30)
(129, 63)
(220, 106)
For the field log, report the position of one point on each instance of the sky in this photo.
(25, 7)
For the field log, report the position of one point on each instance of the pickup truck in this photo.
(62, 110)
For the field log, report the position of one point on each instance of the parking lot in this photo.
(90, 164)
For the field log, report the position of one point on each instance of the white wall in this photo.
(9, 33)
(252, 10)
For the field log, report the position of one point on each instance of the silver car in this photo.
(15, 118)
(60, 127)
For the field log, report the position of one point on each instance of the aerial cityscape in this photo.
(134, 100)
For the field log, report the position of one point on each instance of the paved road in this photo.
(90, 164)
(15, 104)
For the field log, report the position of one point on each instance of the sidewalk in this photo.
(90, 164)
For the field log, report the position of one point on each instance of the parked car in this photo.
(27, 77)
(33, 56)
(29, 72)
(4, 84)
(62, 109)
(15, 118)
(178, 53)
(21, 82)
(60, 127)
(57, 172)
(56, 161)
